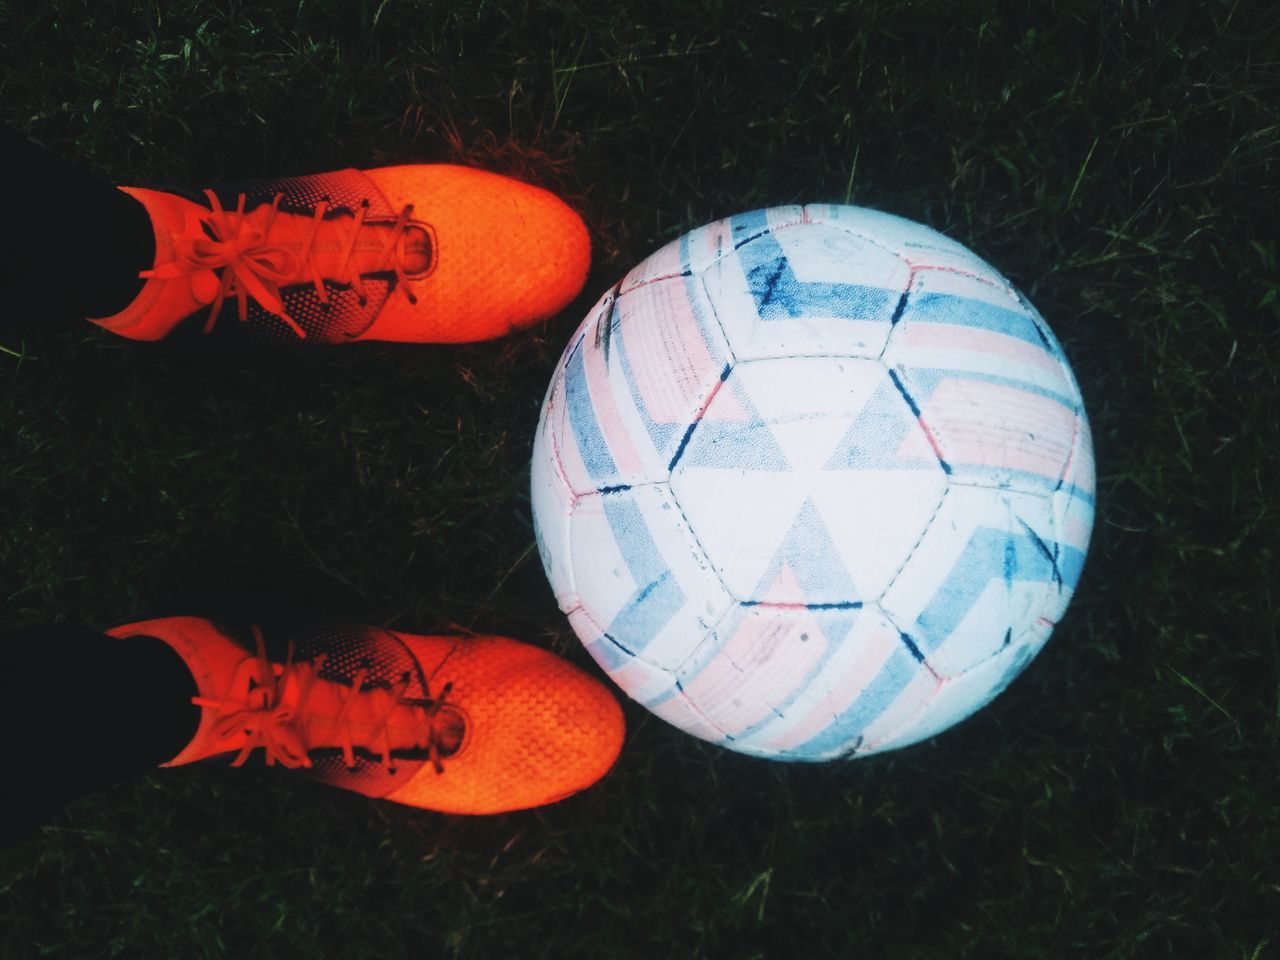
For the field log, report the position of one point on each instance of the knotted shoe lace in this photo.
(463, 725)
(423, 253)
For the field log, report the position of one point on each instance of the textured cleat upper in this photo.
(460, 725)
(538, 729)
(420, 253)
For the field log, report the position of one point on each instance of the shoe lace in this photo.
(273, 722)
(234, 258)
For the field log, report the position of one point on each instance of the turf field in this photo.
(1117, 163)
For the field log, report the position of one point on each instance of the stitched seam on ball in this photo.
(844, 228)
(1046, 334)
(902, 634)
(900, 311)
(1013, 644)
(915, 546)
(698, 543)
(920, 708)
(652, 280)
(1011, 487)
(715, 315)
(826, 354)
(1071, 450)
(604, 634)
(933, 431)
(698, 710)
(555, 453)
(559, 476)
(715, 568)
(691, 271)
(1053, 522)
(724, 615)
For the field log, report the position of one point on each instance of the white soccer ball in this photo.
(813, 482)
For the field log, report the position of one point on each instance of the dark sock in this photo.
(112, 282)
(85, 710)
(78, 241)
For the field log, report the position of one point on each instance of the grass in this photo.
(1117, 162)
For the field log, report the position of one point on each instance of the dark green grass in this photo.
(1118, 164)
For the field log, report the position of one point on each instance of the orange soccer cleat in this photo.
(428, 253)
(459, 725)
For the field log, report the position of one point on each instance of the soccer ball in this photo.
(813, 482)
